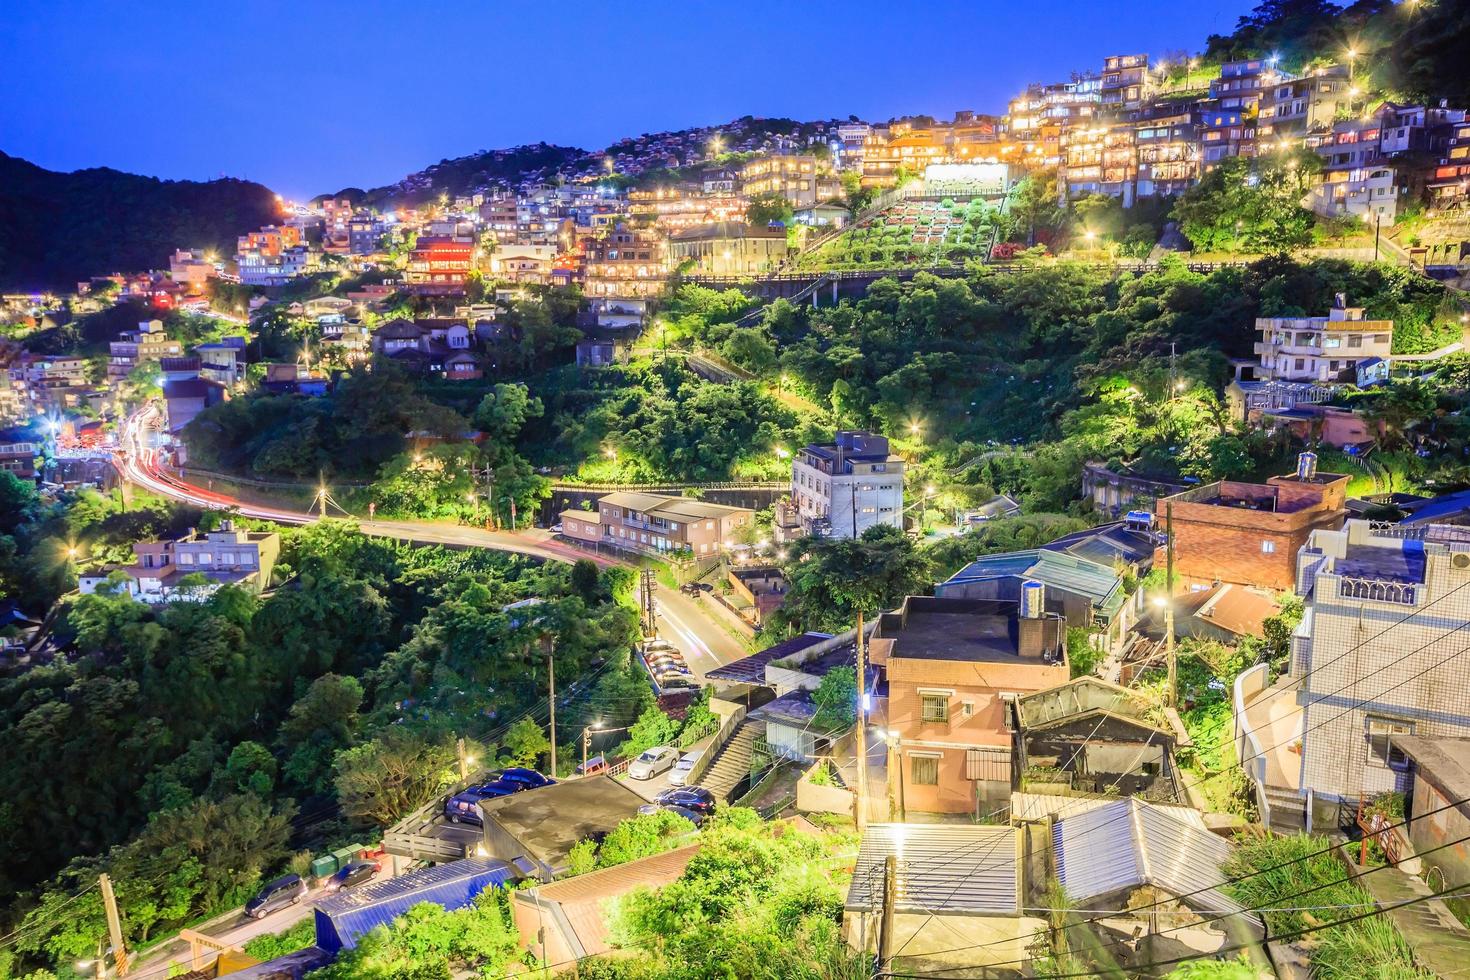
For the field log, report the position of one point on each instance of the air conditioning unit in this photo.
(1460, 560)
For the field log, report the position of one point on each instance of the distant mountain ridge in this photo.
(57, 229)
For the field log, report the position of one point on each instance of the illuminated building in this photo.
(627, 262)
(438, 264)
(792, 176)
(729, 248)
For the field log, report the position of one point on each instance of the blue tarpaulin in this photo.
(341, 920)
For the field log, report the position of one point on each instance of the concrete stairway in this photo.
(731, 764)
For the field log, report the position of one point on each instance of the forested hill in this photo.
(57, 229)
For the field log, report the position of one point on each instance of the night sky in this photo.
(308, 97)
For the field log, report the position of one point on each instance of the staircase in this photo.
(731, 764)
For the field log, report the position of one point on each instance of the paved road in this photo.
(682, 620)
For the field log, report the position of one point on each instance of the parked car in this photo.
(354, 873)
(276, 896)
(658, 759)
(692, 816)
(678, 682)
(462, 807)
(529, 778)
(593, 766)
(680, 775)
(695, 798)
(655, 661)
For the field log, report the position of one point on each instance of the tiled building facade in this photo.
(1381, 652)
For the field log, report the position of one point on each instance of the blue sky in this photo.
(311, 96)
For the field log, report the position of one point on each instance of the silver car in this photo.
(658, 759)
(682, 768)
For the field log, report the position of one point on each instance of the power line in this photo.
(1346, 710)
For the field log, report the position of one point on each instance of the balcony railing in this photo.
(1376, 590)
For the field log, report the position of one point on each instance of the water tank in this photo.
(1139, 520)
(1306, 466)
(1033, 600)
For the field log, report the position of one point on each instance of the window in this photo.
(1381, 751)
(1268, 547)
(924, 770)
(935, 706)
(1355, 340)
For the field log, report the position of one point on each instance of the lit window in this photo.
(1268, 547)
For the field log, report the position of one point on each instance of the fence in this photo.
(1248, 684)
(722, 736)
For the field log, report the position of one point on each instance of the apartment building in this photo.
(729, 248)
(1449, 182)
(365, 233)
(1167, 148)
(955, 668)
(793, 176)
(1358, 179)
(1324, 348)
(900, 146)
(842, 488)
(1225, 133)
(190, 268)
(133, 347)
(1372, 660)
(657, 523)
(227, 556)
(626, 262)
(1240, 84)
(1125, 80)
(438, 265)
(1250, 533)
(275, 269)
(1305, 108)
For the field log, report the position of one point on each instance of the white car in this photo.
(658, 759)
(682, 768)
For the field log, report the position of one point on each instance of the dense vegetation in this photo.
(191, 749)
(1066, 362)
(58, 229)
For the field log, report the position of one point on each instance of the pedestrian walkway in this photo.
(1439, 941)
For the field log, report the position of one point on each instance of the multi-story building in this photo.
(1375, 656)
(1324, 348)
(1125, 81)
(133, 347)
(224, 557)
(1240, 84)
(439, 264)
(365, 233)
(843, 488)
(222, 361)
(657, 523)
(1225, 133)
(1305, 108)
(1449, 183)
(885, 151)
(18, 452)
(190, 268)
(626, 262)
(1167, 148)
(1357, 178)
(1249, 533)
(792, 176)
(729, 248)
(955, 668)
(264, 268)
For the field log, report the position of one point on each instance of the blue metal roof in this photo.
(340, 921)
(1057, 569)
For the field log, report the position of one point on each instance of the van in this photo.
(276, 896)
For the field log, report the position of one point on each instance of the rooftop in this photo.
(968, 630)
(549, 821)
(752, 669)
(1401, 561)
(941, 868)
(1055, 569)
(684, 508)
(1445, 761)
(1108, 543)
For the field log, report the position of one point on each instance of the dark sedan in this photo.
(351, 874)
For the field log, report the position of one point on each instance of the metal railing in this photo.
(1377, 590)
(722, 738)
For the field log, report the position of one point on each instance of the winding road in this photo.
(685, 621)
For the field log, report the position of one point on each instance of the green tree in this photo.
(382, 780)
(250, 769)
(836, 698)
(524, 744)
(769, 208)
(832, 579)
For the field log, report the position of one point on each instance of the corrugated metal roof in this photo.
(752, 669)
(1130, 843)
(342, 919)
(941, 868)
(1054, 568)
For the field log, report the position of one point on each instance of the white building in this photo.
(843, 488)
(261, 268)
(1321, 348)
(1378, 652)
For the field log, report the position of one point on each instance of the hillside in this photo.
(59, 228)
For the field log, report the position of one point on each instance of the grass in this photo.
(1370, 947)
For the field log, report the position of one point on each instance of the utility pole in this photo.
(1172, 381)
(551, 695)
(890, 894)
(862, 730)
(464, 765)
(114, 925)
(1169, 653)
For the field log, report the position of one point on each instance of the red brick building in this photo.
(1250, 533)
